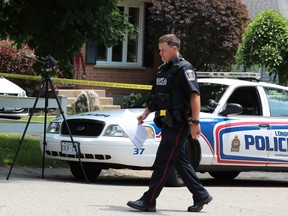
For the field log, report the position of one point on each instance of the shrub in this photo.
(134, 101)
(14, 60)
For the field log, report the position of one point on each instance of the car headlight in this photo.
(54, 127)
(150, 131)
(22, 94)
(115, 131)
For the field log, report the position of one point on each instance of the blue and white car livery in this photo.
(244, 127)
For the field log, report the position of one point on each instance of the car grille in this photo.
(83, 127)
(82, 156)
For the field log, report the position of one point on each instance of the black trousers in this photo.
(171, 152)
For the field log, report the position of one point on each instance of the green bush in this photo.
(134, 101)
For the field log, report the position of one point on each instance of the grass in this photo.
(29, 154)
(38, 118)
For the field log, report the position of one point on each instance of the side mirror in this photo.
(231, 108)
(211, 104)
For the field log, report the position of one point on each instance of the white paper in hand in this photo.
(137, 133)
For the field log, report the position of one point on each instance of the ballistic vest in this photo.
(167, 95)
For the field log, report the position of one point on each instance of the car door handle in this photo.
(263, 125)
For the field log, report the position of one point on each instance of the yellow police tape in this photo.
(81, 82)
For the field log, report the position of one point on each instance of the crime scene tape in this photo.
(81, 82)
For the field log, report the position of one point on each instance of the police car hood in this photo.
(110, 116)
(114, 116)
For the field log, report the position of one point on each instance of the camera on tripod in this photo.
(49, 62)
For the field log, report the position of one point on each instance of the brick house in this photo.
(134, 60)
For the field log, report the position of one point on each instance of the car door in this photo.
(278, 106)
(242, 139)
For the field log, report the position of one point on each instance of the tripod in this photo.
(49, 62)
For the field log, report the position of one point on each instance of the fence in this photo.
(17, 126)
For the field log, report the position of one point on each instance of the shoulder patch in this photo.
(190, 74)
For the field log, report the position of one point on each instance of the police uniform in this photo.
(171, 92)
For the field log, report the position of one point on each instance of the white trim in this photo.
(128, 4)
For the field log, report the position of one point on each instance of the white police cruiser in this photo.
(244, 127)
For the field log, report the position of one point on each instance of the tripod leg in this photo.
(69, 131)
(24, 133)
(45, 123)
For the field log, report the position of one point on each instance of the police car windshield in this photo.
(211, 92)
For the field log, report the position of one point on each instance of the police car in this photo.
(244, 127)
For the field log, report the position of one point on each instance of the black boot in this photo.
(142, 206)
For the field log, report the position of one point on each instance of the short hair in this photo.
(171, 40)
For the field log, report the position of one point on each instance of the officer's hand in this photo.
(141, 118)
(195, 131)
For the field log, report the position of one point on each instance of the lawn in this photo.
(38, 118)
(29, 155)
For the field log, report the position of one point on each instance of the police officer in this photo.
(175, 97)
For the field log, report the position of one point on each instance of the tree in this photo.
(210, 30)
(60, 28)
(265, 44)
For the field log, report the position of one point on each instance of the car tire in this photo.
(174, 180)
(224, 175)
(192, 150)
(91, 171)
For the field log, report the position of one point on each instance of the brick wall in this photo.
(141, 75)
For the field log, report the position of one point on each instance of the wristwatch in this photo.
(195, 122)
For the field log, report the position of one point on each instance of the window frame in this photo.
(127, 4)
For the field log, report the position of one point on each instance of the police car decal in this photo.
(248, 143)
(208, 143)
(156, 129)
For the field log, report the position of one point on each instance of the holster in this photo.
(158, 120)
(168, 119)
(180, 116)
(171, 118)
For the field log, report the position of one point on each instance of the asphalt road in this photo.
(26, 193)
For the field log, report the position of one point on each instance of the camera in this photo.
(49, 62)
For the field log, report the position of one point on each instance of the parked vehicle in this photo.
(244, 128)
(8, 88)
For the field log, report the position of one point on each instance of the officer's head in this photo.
(169, 46)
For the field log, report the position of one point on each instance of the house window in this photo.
(128, 52)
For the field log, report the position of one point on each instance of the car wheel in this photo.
(193, 152)
(223, 175)
(91, 171)
(174, 180)
(193, 156)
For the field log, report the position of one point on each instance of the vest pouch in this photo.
(163, 101)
